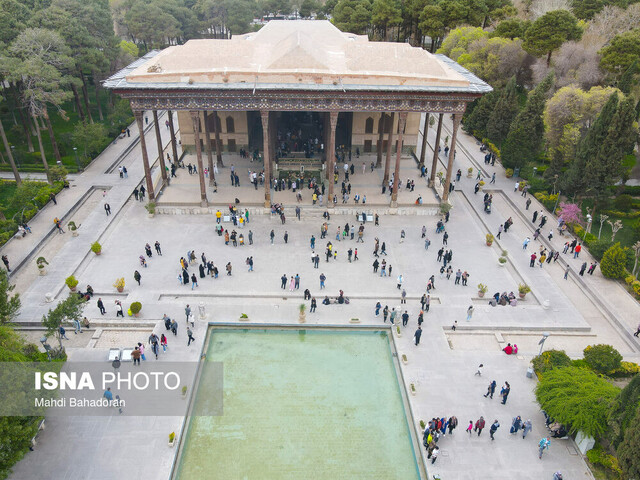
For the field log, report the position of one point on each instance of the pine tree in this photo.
(575, 181)
(524, 141)
(476, 122)
(503, 114)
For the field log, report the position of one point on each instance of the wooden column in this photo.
(333, 121)
(195, 117)
(163, 170)
(380, 140)
(145, 157)
(216, 131)
(174, 143)
(264, 116)
(207, 145)
(425, 131)
(434, 164)
(452, 154)
(402, 120)
(327, 155)
(387, 162)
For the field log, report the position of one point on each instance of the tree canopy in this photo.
(623, 50)
(549, 32)
(578, 398)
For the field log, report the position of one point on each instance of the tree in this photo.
(614, 262)
(432, 24)
(15, 15)
(524, 141)
(589, 147)
(623, 50)
(628, 78)
(570, 212)
(586, 9)
(307, 8)
(495, 60)
(148, 23)
(9, 304)
(602, 358)
(385, 14)
(91, 137)
(67, 310)
(511, 28)
(636, 255)
(549, 32)
(459, 40)
(352, 16)
(476, 122)
(605, 167)
(629, 450)
(578, 398)
(624, 410)
(7, 150)
(40, 57)
(549, 360)
(503, 114)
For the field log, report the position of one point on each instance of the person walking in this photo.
(272, 236)
(504, 393)
(322, 280)
(63, 333)
(479, 426)
(163, 342)
(470, 427)
(542, 444)
(494, 429)
(101, 307)
(469, 312)
(526, 428)
(283, 281)
(137, 277)
(190, 335)
(479, 371)
(158, 249)
(434, 454)
(491, 389)
(417, 335)
(119, 312)
(135, 355)
(107, 209)
(187, 313)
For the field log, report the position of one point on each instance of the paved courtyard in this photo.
(576, 312)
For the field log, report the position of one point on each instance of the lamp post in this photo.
(545, 335)
(75, 151)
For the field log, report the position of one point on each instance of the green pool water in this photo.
(318, 404)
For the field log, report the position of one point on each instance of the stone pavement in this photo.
(442, 367)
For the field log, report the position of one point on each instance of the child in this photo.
(470, 427)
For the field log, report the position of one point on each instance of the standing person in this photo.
(136, 356)
(187, 313)
(194, 281)
(101, 307)
(190, 335)
(158, 249)
(137, 277)
(505, 392)
(470, 427)
(479, 425)
(494, 429)
(119, 312)
(5, 260)
(322, 280)
(163, 342)
(526, 428)
(469, 312)
(418, 333)
(566, 272)
(434, 455)
(314, 304)
(141, 348)
(542, 444)
(107, 209)
(272, 236)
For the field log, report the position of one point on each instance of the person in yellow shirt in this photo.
(218, 216)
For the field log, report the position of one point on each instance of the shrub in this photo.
(578, 398)
(71, 281)
(614, 262)
(628, 451)
(623, 202)
(626, 369)
(636, 287)
(96, 248)
(598, 247)
(151, 207)
(602, 358)
(598, 456)
(509, 172)
(482, 288)
(580, 363)
(119, 283)
(629, 279)
(135, 307)
(549, 360)
(623, 409)
(549, 201)
(489, 238)
(524, 288)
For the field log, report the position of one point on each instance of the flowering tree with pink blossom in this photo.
(570, 212)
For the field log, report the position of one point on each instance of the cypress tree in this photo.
(605, 167)
(575, 180)
(503, 114)
(524, 141)
(476, 122)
